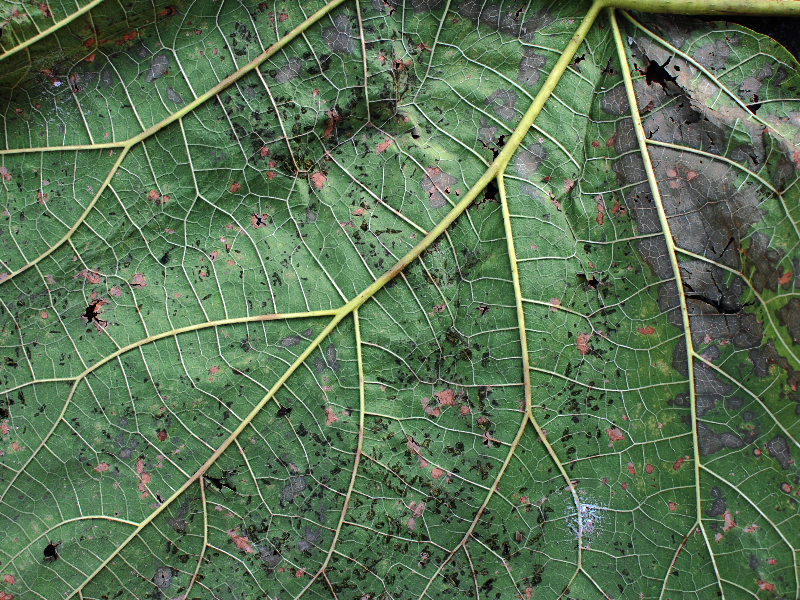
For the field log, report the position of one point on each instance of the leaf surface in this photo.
(443, 299)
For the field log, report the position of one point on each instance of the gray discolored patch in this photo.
(163, 578)
(745, 155)
(530, 68)
(703, 402)
(709, 214)
(289, 341)
(125, 453)
(178, 521)
(381, 6)
(294, 488)
(106, 78)
(289, 71)
(177, 524)
(158, 67)
(339, 37)
(713, 56)
(711, 442)
(765, 72)
(749, 88)
(437, 185)
(718, 503)
(528, 160)
(708, 295)
(311, 215)
(470, 9)
(307, 333)
(330, 358)
(754, 562)
(767, 355)
(269, 557)
(677, 28)
(762, 263)
(734, 403)
(711, 353)
(419, 6)
(748, 416)
(783, 174)
(499, 19)
(538, 20)
(504, 19)
(310, 537)
(779, 450)
(615, 102)
(502, 103)
(319, 365)
(487, 134)
(174, 96)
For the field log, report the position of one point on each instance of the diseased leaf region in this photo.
(436, 299)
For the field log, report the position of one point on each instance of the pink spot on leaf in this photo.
(614, 434)
(729, 522)
(446, 398)
(764, 586)
(331, 417)
(138, 281)
(583, 343)
(242, 543)
(318, 179)
(383, 146)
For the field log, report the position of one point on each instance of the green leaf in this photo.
(517, 318)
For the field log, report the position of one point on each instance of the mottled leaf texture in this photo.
(382, 300)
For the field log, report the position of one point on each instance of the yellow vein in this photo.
(351, 486)
(526, 370)
(673, 259)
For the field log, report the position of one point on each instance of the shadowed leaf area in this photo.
(580, 379)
